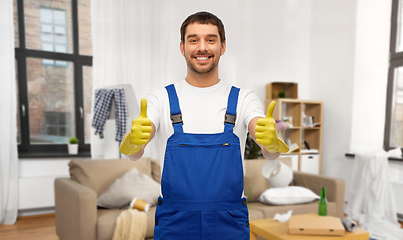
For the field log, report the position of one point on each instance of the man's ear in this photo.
(182, 48)
(223, 47)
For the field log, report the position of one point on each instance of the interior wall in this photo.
(332, 59)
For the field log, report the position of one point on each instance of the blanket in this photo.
(370, 198)
(131, 225)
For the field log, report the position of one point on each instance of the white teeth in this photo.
(202, 58)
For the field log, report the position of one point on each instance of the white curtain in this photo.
(8, 124)
(129, 47)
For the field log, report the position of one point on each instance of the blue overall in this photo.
(202, 182)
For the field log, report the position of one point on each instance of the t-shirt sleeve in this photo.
(154, 107)
(252, 106)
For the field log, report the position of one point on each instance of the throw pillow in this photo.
(287, 196)
(98, 175)
(132, 184)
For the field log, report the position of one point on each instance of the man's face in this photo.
(202, 48)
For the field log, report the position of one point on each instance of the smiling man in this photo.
(200, 125)
(202, 47)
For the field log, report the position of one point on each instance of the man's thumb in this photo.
(143, 112)
(270, 109)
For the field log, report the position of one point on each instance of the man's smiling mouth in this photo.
(202, 58)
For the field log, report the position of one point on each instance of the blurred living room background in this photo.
(346, 54)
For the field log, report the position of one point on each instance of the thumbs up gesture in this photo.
(267, 135)
(139, 133)
(141, 126)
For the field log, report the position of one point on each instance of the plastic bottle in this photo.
(322, 209)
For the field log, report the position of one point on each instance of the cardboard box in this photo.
(316, 225)
(273, 89)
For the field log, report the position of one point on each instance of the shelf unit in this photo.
(296, 112)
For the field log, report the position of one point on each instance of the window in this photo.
(53, 33)
(53, 75)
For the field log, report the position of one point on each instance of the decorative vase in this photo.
(73, 148)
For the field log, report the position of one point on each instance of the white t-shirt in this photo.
(203, 111)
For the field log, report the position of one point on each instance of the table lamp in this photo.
(277, 173)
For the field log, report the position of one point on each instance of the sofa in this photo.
(79, 218)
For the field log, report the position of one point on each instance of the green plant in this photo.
(73, 140)
(252, 150)
(281, 94)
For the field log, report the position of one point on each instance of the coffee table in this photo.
(274, 230)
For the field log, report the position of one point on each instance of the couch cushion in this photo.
(253, 179)
(298, 209)
(107, 222)
(130, 185)
(255, 214)
(98, 175)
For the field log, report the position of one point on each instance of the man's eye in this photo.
(211, 40)
(193, 40)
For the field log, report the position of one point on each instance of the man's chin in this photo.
(201, 71)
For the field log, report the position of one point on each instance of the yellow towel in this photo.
(131, 225)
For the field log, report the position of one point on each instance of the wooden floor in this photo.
(40, 227)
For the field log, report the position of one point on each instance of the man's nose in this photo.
(202, 45)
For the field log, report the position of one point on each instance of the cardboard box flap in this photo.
(315, 225)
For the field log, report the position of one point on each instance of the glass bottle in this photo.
(322, 211)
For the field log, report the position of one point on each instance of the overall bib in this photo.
(202, 182)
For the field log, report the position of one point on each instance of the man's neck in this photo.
(202, 81)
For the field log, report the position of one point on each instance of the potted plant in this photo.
(252, 150)
(73, 145)
(281, 94)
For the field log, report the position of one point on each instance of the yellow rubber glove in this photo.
(267, 135)
(139, 133)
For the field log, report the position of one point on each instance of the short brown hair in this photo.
(203, 18)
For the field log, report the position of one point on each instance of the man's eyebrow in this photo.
(191, 35)
(195, 35)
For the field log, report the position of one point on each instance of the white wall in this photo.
(332, 59)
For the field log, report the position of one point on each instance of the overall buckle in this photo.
(177, 118)
(230, 119)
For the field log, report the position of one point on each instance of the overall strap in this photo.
(176, 115)
(230, 115)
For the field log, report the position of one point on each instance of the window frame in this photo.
(25, 148)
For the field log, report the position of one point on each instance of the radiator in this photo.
(397, 189)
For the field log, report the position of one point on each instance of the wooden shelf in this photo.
(295, 110)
